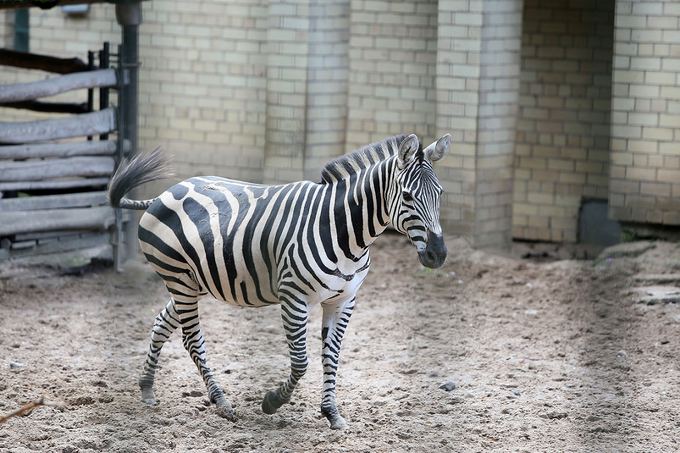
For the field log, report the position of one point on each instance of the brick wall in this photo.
(327, 84)
(562, 149)
(264, 90)
(478, 61)
(287, 49)
(458, 53)
(497, 117)
(645, 170)
(202, 80)
(392, 55)
(203, 85)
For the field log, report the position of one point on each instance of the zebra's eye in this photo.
(407, 196)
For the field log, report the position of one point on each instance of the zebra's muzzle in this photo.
(435, 251)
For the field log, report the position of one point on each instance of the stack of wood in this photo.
(54, 172)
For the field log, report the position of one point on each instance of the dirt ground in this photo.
(551, 356)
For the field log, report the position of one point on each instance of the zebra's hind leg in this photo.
(295, 314)
(166, 323)
(194, 343)
(335, 320)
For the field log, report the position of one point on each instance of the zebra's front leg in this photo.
(335, 320)
(295, 315)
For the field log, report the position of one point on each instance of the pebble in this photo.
(193, 393)
(555, 415)
(448, 386)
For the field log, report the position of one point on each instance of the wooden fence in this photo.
(54, 171)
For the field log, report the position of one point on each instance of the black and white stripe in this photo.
(295, 244)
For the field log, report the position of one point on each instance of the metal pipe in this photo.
(129, 16)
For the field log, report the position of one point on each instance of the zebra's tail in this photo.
(141, 169)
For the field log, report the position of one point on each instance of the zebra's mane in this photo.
(360, 158)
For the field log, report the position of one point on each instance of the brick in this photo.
(657, 133)
(641, 174)
(669, 176)
(656, 189)
(644, 119)
(647, 8)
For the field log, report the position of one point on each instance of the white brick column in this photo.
(497, 119)
(459, 44)
(478, 60)
(306, 87)
(287, 47)
(645, 124)
(327, 73)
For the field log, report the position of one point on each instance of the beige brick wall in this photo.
(202, 80)
(497, 118)
(203, 85)
(459, 33)
(392, 62)
(327, 84)
(478, 61)
(562, 149)
(264, 90)
(645, 170)
(287, 49)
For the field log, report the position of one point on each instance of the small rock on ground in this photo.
(448, 386)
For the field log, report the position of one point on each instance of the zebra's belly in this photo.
(331, 289)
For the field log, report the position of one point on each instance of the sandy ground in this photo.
(544, 357)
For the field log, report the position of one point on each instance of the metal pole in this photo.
(129, 16)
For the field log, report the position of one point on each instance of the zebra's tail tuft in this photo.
(143, 168)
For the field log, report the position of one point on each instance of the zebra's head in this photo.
(415, 210)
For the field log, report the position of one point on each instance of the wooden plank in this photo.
(49, 235)
(94, 123)
(86, 166)
(61, 184)
(83, 241)
(17, 245)
(43, 62)
(70, 200)
(99, 218)
(44, 4)
(50, 107)
(17, 92)
(93, 148)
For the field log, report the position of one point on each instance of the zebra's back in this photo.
(216, 232)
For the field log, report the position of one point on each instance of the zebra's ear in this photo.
(408, 148)
(436, 150)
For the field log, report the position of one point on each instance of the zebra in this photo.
(296, 244)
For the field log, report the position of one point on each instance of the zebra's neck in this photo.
(361, 207)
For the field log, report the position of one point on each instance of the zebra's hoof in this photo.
(226, 412)
(148, 397)
(271, 402)
(338, 423)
